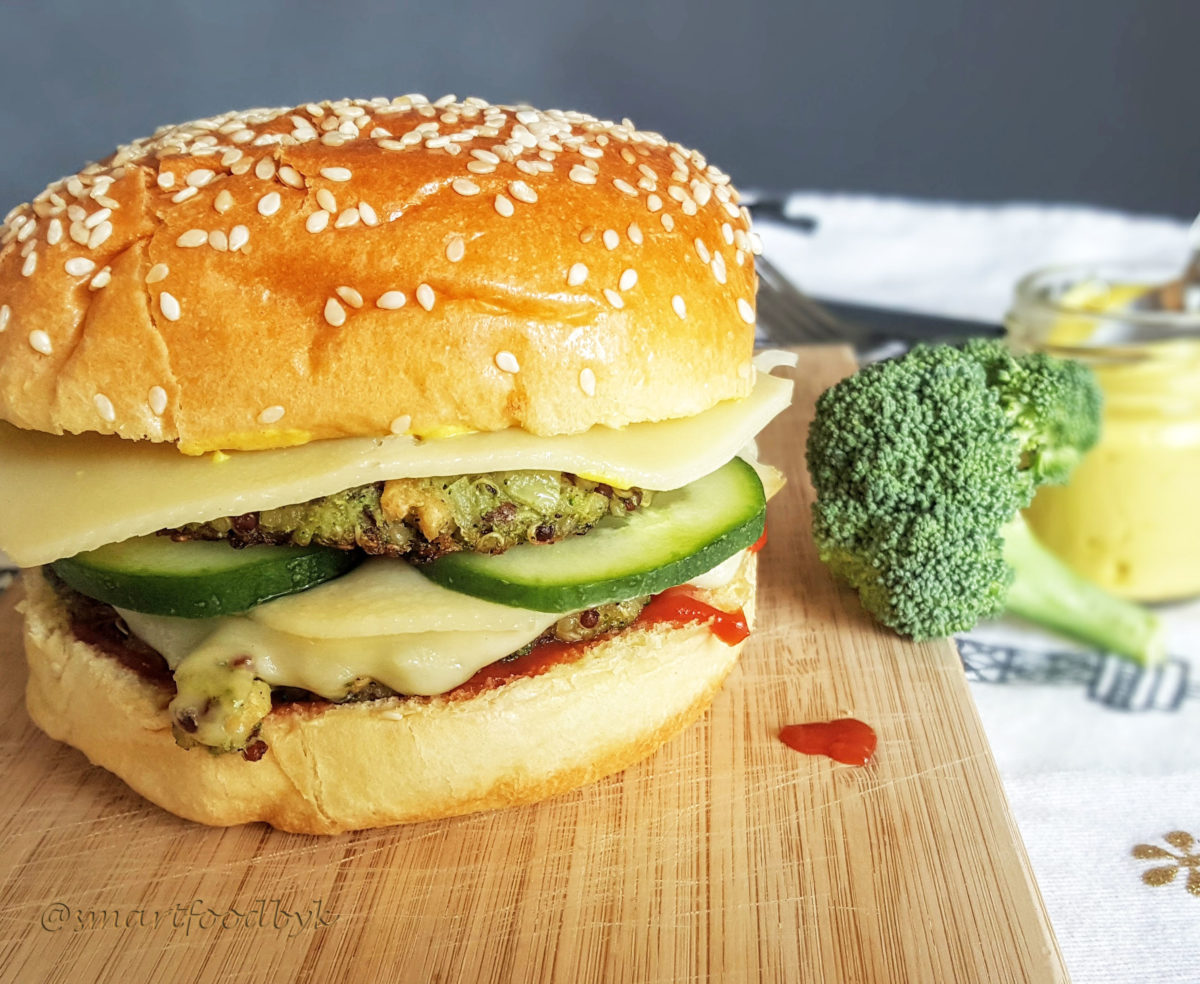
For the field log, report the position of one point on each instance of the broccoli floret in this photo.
(922, 466)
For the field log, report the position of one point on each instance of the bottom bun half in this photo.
(331, 768)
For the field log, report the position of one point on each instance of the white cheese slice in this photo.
(64, 494)
(418, 652)
(424, 663)
(389, 597)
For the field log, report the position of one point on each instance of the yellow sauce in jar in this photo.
(1130, 517)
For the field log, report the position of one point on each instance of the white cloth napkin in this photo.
(1100, 761)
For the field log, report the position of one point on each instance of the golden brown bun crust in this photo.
(390, 761)
(557, 272)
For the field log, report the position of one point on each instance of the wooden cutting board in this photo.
(724, 857)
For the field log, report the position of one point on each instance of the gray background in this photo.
(984, 100)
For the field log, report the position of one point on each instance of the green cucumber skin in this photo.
(192, 580)
(520, 578)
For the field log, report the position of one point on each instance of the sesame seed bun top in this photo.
(271, 277)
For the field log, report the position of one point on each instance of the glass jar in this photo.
(1130, 517)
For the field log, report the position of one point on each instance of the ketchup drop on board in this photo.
(845, 740)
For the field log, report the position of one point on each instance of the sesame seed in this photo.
(326, 200)
(157, 272)
(27, 230)
(653, 202)
(688, 207)
(611, 239)
(350, 296)
(507, 362)
(93, 220)
(40, 342)
(390, 300)
(456, 249)
(169, 306)
(184, 195)
(668, 221)
(54, 232)
(291, 177)
(635, 234)
(628, 279)
(624, 186)
(336, 173)
(367, 214)
(264, 170)
(613, 298)
(271, 415)
(317, 222)
(718, 268)
(101, 280)
(587, 381)
(727, 233)
(231, 157)
(589, 151)
(425, 296)
(269, 203)
(223, 202)
(5, 316)
(200, 177)
(99, 235)
(335, 314)
(480, 167)
(165, 180)
(745, 310)
(192, 238)
(522, 192)
(587, 235)
(678, 306)
(104, 407)
(158, 400)
(503, 205)
(577, 274)
(486, 156)
(581, 175)
(702, 250)
(239, 235)
(79, 266)
(347, 218)
(391, 145)
(401, 424)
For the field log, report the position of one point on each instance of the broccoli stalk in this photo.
(922, 465)
(1048, 592)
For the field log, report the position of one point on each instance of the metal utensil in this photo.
(1183, 293)
(791, 317)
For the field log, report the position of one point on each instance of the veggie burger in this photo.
(376, 461)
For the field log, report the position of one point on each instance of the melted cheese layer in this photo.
(65, 494)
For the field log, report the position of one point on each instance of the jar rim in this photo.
(1039, 292)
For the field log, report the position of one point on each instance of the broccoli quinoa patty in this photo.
(424, 518)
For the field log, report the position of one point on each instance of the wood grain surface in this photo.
(726, 856)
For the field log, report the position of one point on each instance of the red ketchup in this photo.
(676, 605)
(761, 542)
(845, 740)
(673, 605)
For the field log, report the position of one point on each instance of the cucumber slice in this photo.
(199, 579)
(683, 534)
